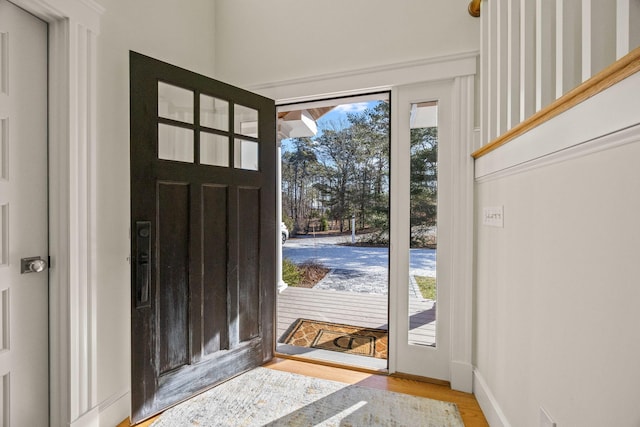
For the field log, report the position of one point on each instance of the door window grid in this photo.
(212, 145)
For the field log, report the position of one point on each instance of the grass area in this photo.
(304, 275)
(427, 286)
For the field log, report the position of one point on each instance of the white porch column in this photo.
(280, 282)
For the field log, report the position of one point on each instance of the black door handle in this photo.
(143, 263)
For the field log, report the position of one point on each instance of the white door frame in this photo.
(422, 360)
(461, 70)
(73, 28)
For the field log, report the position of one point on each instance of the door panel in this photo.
(173, 275)
(203, 208)
(249, 262)
(214, 253)
(24, 370)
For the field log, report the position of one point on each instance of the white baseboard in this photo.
(115, 409)
(88, 419)
(488, 403)
(462, 376)
(109, 413)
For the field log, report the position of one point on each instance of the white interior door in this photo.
(24, 372)
(421, 229)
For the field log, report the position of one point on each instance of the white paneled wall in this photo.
(534, 51)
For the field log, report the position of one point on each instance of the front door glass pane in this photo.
(175, 143)
(214, 149)
(214, 113)
(246, 155)
(423, 223)
(245, 121)
(175, 103)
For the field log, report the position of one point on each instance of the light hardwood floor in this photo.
(467, 404)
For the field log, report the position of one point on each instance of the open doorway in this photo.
(335, 230)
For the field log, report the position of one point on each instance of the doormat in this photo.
(267, 397)
(337, 337)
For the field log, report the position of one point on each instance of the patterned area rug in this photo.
(338, 337)
(266, 397)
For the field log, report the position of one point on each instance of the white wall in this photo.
(172, 32)
(557, 319)
(269, 41)
(253, 42)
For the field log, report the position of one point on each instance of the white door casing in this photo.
(417, 359)
(458, 70)
(73, 28)
(24, 373)
(453, 360)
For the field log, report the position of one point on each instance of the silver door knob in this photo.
(32, 265)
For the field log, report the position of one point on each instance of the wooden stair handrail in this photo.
(614, 73)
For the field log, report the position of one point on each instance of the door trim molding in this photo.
(461, 293)
(73, 28)
(367, 80)
(460, 69)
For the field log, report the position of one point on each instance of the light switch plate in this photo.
(493, 216)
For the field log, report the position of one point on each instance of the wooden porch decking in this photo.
(351, 308)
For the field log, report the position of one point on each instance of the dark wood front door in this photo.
(203, 233)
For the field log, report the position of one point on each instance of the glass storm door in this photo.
(203, 235)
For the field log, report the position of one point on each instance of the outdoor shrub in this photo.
(375, 238)
(324, 223)
(291, 273)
